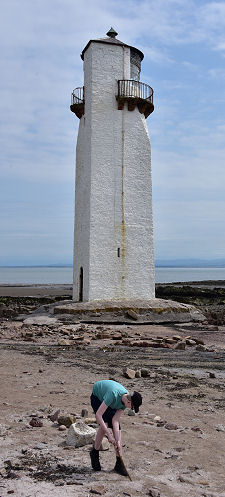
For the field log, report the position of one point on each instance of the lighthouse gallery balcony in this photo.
(133, 92)
(77, 102)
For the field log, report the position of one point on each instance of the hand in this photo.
(118, 447)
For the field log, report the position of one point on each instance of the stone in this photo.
(84, 413)
(171, 426)
(180, 345)
(138, 373)
(36, 422)
(105, 444)
(212, 375)
(90, 421)
(177, 338)
(145, 372)
(129, 373)
(54, 417)
(190, 342)
(64, 342)
(66, 420)
(131, 412)
(132, 314)
(220, 427)
(40, 320)
(62, 428)
(97, 490)
(153, 493)
(200, 348)
(80, 434)
(157, 419)
(196, 428)
(198, 341)
(117, 336)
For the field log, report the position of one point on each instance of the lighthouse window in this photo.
(135, 65)
(118, 252)
(134, 72)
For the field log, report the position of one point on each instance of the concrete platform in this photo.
(139, 311)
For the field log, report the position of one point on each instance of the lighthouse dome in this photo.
(112, 40)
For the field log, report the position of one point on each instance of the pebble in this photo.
(35, 422)
(84, 413)
(220, 428)
(212, 375)
(62, 428)
(54, 417)
(171, 426)
(153, 493)
(180, 345)
(98, 490)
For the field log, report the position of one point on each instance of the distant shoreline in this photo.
(57, 290)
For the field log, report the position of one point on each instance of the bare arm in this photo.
(102, 408)
(116, 430)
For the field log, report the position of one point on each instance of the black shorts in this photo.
(108, 414)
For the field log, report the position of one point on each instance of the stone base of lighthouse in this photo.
(131, 311)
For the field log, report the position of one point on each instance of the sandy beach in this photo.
(173, 447)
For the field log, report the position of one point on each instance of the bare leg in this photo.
(99, 437)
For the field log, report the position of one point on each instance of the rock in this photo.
(144, 372)
(90, 421)
(196, 428)
(132, 314)
(129, 373)
(131, 412)
(117, 336)
(62, 428)
(198, 341)
(190, 342)
(200, 348)
(97, 490)
(180, 345)
(40, 320)
(153, 493)
(66, 420)
(64, 342)
(84, 413)
(36, 422)
(170, 341)
(80, 434)
(105, 444)
(212, 375)
(157, 419)
(54, 417)
(171, 426)
(177, 338)
(138, 373)
(220, 427)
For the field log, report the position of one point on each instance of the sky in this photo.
(184, 46)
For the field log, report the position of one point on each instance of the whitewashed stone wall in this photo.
(113, 208)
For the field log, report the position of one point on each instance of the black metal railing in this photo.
(77, 96)
(129, 88)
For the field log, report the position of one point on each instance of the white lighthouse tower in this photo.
(113, 238)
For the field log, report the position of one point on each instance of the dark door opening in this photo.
(81, 283)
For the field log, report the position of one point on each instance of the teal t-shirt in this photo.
(110, 392)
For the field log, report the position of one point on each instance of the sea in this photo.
(64, 275)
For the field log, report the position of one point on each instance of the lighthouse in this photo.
(113, 233)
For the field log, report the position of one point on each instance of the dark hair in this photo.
(136, 401)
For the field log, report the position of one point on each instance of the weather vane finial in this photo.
(112, 33)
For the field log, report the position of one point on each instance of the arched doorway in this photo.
(81, 283)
